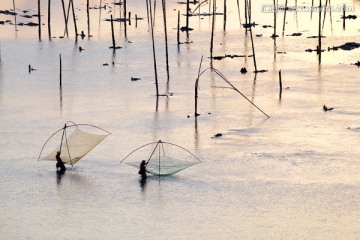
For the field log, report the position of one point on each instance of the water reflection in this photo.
(142, 182)
(59, 176)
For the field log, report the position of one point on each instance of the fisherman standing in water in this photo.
(143, 170)
(60, 163)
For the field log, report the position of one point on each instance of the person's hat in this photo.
(58, 152)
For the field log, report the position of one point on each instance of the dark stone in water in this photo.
(135, 79)
(267, 26)
(2, 22)
(26, 16)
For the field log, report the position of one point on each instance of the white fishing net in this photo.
(160, 158)
(76, 146)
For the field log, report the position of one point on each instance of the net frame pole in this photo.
(67, 146)
(62, 137)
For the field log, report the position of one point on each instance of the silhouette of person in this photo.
(60, 164)
(143, 170)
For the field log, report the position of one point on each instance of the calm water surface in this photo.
(295, 175)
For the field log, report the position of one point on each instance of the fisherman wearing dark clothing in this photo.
(143, 170)
(60, 163)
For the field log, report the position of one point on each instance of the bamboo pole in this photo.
(39, 19)
(344, 16)
(280, 85)
(319, 47)
(187, 14)
(88, 17)
(49, 19)
(225, 16)
(212, 32)
(112, 32)
(74, 18)
(147, 11)
(196, 88)
(284, 22)
(60, 72)
(153, 47)
(166, 41)
(125, 22)
(66, 17)
(178, 30)
(14, 5)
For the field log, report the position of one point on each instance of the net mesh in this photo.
(78, 144)
(160, 158)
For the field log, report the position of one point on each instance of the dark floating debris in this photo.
(249, 25)
(2, 22)
(243, 70)
(316, 37)
(267, 26)
(325, 108)
(295, 35)
(30, 24)
(281, 52)
(117, 20)
(7, 12)
(135, 79)
(356, 64)
(105, 64)
(81, 49)
(274, 36)
(26, 16)
(186, 29)
(349, 17)
(217, 135)
(260, 71)
(313, 50)
(229, 56)
(258, 35)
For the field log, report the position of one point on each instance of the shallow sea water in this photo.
(295, 175)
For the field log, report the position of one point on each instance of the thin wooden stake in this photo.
(284, 22)
(178, 29)
(280, 83)
(166, 41)
(39, 19)
(125, 22)
(88, 17)
(112, 32)
(187, 14)
(153, 46)
(212, 32)
(74, 18)
(344, 16)
(60, 72)
(49, 19)
(319, 47)
(225, 16)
